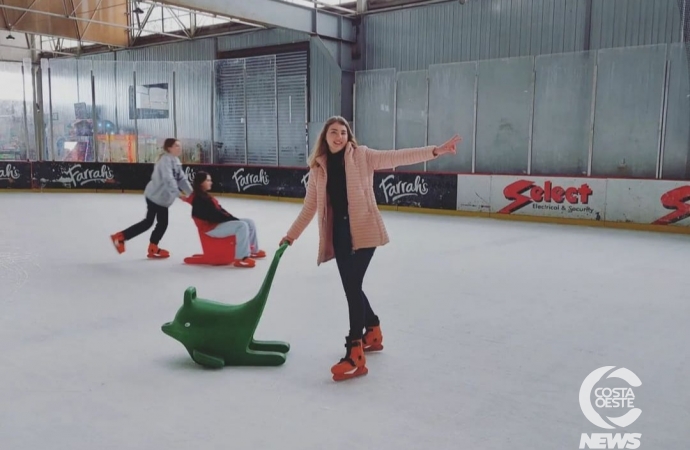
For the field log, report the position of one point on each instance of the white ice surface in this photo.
(490, 327)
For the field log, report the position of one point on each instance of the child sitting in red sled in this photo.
(216, 222)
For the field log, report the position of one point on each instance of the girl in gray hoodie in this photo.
(167, 180)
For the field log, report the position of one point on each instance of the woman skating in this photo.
(341, 191)
(167, 180)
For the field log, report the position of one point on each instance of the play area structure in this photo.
(217, 334)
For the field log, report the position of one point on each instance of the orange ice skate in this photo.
(373, 339)
(118, 240)
(157, 252)
(354, 362)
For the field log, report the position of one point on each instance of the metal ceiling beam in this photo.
(142, 24)
(33, 50)
(68, 14)
(179, 22)
(278, 14)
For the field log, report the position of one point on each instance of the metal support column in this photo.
(26, 122)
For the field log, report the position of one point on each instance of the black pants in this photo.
(153, 211)
(352, 267)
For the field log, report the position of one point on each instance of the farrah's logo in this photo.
(249, 180)
(189, 173)
(394, 192)
(9, 173)
(77, 176)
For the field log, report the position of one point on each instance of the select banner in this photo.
(422, 190)
(572, 198)
(15, 175)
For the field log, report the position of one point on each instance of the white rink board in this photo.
(642, 201)
(649, 202)
(474, 193)
(571, 198)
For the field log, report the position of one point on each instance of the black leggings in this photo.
(352, 267)
(153, 211)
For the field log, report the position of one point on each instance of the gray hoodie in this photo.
(167, 180)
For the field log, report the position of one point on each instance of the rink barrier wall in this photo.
(657, 205)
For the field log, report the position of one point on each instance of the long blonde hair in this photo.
(321, 145)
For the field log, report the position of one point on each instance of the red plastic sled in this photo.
(216, 251)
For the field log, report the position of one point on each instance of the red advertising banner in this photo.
(572, 198)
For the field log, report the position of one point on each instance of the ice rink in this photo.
(490, 328)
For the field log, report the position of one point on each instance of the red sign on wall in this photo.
(675, 200)
(525, 192)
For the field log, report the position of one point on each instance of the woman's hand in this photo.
(284, 240)
(448, 146)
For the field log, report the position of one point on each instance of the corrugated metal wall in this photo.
(191, 65)
(414, 38)
(610, 112)
(260, 38)
(325, 82)
(204, 49)
(291, 91)
(196, 50)
(342, 55)
(624, 23)
(16, 98)
(230, 110)
(193, 105)
(262, 123)
(325, 87)
(261, 109)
